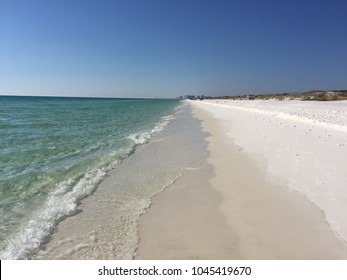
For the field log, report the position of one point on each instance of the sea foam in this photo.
(77, 161)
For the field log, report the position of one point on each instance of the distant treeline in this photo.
(319, 95)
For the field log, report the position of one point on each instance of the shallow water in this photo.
(54, 152)
(107, 226)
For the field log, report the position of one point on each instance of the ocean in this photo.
(55, 152)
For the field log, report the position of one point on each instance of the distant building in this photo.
(190, 97)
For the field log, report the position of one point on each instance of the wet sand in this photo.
(233, 208)
(106, 226)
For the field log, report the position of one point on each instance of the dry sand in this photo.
(233, 208)
(303, 143)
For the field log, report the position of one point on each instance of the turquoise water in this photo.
(55, 151)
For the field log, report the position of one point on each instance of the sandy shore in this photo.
(235, 207)
(106, 226)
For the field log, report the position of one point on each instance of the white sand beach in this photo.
(224, 180)
(274, 186)
(303, 143)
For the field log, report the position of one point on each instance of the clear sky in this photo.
(167, 48)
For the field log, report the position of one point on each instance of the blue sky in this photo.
(162, 48)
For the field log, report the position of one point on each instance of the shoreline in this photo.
(253, 215)
(106, 226)
(303, 143)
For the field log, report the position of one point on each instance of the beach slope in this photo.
(261, 193)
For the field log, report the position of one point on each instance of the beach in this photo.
(192, 180)
(106, 225)
(273, 186)
(78, 172)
